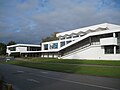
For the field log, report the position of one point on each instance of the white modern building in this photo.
(97, 42)
(25, 50)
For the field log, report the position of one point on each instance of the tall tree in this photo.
(2, 49)
(50, 38)
(11, 43)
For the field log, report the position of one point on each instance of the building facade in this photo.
(99, 42)
(24, 50)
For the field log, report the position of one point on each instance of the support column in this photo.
(114, 46)
(114, 49)
(90, 40)
(114, 35)
(59, 37)
(58, 44)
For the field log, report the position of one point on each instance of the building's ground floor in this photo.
(31, 54)
(49, 54)
(89, 52)
(18, 54)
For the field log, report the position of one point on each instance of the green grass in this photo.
(87, 70)
(73, 61)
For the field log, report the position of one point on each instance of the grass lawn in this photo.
(73, 61)
(72, 68)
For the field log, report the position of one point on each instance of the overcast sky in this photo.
(28, 21)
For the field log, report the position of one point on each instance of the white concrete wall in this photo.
(46, 56)
(8, 51)
(92, 53)
(50, 55)
(55, 56)
(108, 41)
(21, 49)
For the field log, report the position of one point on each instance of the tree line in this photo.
(3, 47)
(50, 38)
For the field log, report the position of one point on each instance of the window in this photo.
(75, 36)
(62, 38)
(109, 49)
(68, 37)
(107, 35)
(118, 49)
(33, 48)
(12, 49)
(118, 34)
(46, 47)
(62, 44)
(68, 42)
(54, 46)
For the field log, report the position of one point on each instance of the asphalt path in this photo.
(23, 78)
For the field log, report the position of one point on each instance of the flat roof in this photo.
(16, 45)
(93, 27)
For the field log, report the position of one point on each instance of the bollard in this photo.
(1, 84)
(9, 86)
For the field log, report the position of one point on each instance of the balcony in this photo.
(108, 41)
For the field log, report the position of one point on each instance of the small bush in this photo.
(15, 54)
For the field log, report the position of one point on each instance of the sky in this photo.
(28, 21)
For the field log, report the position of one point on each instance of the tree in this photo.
(50, 38)
(11, 43)
(2, 49)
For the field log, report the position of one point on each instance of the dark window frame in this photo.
(117, 49)
(45, 46)
(109, 49)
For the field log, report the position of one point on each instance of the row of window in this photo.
(28, 49)
(55, 45)
(68, 37)
(12, 49)
(95, 40)
(33, 48)
(117, 34)
(52, 46)
(63, 43)
(110, 49)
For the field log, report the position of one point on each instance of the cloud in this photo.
(28, 21)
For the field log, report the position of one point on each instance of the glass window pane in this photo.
(68, 42)
(62, 44)
(54, 46)
(118, 49)
(109, 49)
(46, 47)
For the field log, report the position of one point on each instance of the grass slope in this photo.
(73, 61)
(88, 70)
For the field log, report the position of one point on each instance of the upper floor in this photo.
(23, 48)
(98, 34)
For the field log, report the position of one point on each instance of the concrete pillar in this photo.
(58, 45)
(60, 38)
(90, 40)
(65, 42)
(25, 55)
(114, 35)
(114, 49)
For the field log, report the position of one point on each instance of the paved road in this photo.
(24, 78)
